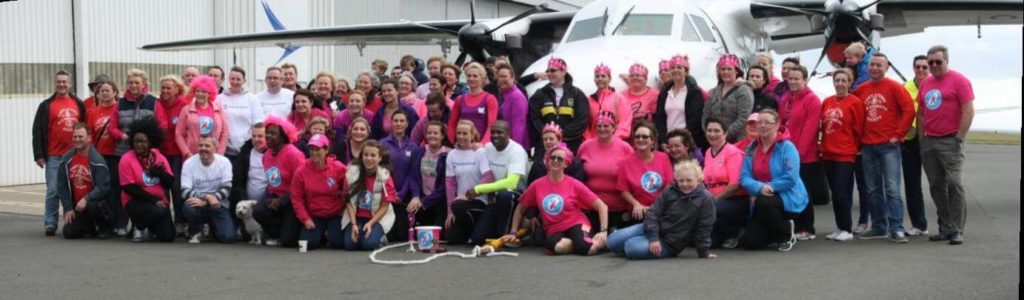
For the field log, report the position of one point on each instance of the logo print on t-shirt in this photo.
(149, 180)
(875, 104)
(99, 126)
(553, 204)
(80, 176)
(274, 177)
(366, 201)
(205, 125)
(67, 118)
(651, 181)
(174, 121)
(833, 119)
(933, 99)
(330, 182)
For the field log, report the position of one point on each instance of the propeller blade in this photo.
(472, 12)
(461, 59)
(867, 42)
(803, 11)
(418, 24)
(795, 35)
(862, 8)
(520, 16)
(824, 50)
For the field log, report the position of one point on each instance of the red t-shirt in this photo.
(644, 180)
(762, 164)
(842, 125)
(601, 167)
(317, 192)
(889, 111)
(97, 118)
(64, 115)
(941, 101)
(560, 203)
(80, 176)
(132, 171)
(364, 208)
(172, 112)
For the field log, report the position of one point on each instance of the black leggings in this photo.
(467, 214)
(278, 224)
(85, 222)
(147, 215)
(813, 176)
(769, 225)
(581, 242)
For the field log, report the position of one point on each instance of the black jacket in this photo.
(41, 125)
(677, 219)
(240, 174)
(100, 180)
(763, 99)
(694, 109)
(572, 114)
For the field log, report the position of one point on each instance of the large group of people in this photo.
(646, 172)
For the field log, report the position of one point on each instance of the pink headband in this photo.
(729, 60)
(568, 155)
(663, 65)
(602, 69)
(680, 60)
(553, 128)
(638, 69)
(556, 63)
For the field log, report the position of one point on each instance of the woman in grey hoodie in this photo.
(683, 214)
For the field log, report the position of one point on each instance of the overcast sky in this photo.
(993, 64)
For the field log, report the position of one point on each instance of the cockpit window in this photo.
(689, 32)
(705, 30)
(647, 24)
(586, 29)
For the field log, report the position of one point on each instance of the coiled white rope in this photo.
(477, 251)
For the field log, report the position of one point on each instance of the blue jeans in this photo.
(219, 218)
(52, 211)
(633, 242)
(362, 243)
(882, 166)
(330, 225)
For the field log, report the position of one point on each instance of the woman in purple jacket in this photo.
(512, 105)
(429, 163)
(400, 149)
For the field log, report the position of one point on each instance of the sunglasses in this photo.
(555, 158)
(935, 62)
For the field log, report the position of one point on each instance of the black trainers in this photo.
(51, 231)
(942, 236)
(956, 238)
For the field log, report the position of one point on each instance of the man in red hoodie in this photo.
(889, 113)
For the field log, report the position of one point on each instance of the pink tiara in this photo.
(638, 68)
(552, 127)
(680, 60)
(663, 65)
(556, 63)
(602, 69)
(605, 117)
(729, 60)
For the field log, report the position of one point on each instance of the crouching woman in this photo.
(683, 214)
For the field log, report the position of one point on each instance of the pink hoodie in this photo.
(801, 113)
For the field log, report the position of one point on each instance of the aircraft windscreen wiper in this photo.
(604, 21)
(624, 18)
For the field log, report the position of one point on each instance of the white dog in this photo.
(244, 211)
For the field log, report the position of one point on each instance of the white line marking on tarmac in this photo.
(22, 204)
(21, 192)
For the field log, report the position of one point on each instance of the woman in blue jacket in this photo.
(771, 171)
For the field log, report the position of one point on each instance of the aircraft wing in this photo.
(791, 31)
(400, 33)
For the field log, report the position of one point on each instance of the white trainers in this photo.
(916, 232)
(194, 239)
(805, 236)
(861, 228)
(843, 236)
(832, 236)
(273, 242)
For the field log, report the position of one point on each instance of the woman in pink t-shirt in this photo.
(643, 175)
(145, 177)
(601, 159)
(722, 164)
(641, 98)
(560, 199)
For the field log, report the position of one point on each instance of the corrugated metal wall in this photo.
(104, 36)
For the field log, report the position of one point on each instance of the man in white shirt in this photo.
(276, 100)
(206, 185)
(508, 161)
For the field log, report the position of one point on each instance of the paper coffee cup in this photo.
(303, 246)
